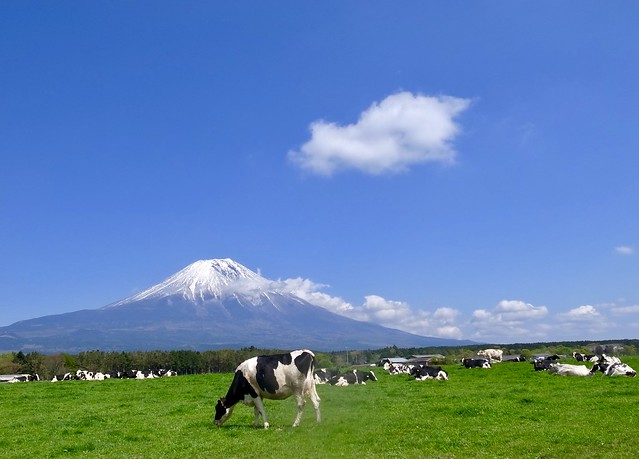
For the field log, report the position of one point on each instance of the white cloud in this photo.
(632, 309)
(389, 313)
(625, 250)
(509, 320)
(586, 312)
(402, 130)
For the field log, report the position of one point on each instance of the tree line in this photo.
(226, 360)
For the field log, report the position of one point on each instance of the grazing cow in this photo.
(513, 358)
(491, 354)
(476, 363)
(322, 375)
(352, 377)
(424, 372)
(566, 369)
(274, 377)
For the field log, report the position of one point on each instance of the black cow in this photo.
(423, 372)
(271, 376)
(476, 363)
(352, 377)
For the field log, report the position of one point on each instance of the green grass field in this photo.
(508, 411)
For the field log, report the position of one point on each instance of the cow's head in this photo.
(222, 412)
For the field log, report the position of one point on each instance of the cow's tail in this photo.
(309, 380)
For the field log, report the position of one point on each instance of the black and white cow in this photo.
(398, 368)
(23, 377)
(579, 357)
(322, 375)
(274, 377)
(352, 377)
(64, 377)
(614, 369)
(424, 372)
(475, 363)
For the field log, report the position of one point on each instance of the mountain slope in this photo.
(210, 304)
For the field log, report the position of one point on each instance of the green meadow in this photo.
(509, 411)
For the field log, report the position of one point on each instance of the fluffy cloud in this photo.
(389, 313)
(586, 312)
(402, 130)
(509, 320)
(624, 250)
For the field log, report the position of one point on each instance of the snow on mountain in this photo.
(202, 281)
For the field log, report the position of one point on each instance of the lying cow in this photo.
(476, 363)
(614, 369)
(352, 377)
(322, 375)
(579, 357)
(271, 376)
(566, 369)
(424, 372)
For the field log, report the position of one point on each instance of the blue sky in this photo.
(454, 169)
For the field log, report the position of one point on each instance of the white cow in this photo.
(492, 354)
(566, 369)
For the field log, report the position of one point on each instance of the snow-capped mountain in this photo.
(201, 281)
(210, 304)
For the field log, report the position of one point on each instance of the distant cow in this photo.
(491, 354)
(579, 357)
(23, 377)
(64, 377)
(398, 368)
(352, 377)
(322, 375)
(274, 377)
(513, 358)
(424, 372)
(476, 363)
(566, 369)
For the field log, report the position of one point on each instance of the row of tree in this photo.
(226, 360)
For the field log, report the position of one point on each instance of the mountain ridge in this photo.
(210, 304)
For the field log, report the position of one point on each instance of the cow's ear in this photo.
(222, 401)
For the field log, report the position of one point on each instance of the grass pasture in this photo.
(509, 411)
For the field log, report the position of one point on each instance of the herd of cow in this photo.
(606, 364)
(83, 375)
(280, 376)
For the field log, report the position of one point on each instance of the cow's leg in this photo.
(259, 410)
(300, 409)
(316, 403)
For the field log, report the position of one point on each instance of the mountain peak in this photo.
(201, 280)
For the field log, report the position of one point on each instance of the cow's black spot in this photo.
(304, 362)
(265, 371)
